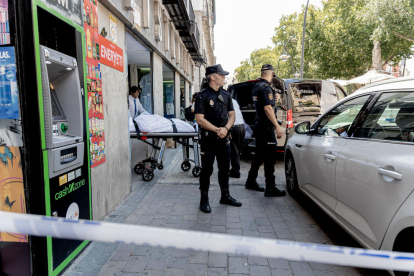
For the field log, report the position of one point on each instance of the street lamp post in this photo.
(303, 40)
(285, 57)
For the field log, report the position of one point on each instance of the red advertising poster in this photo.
(94, 85)
(111, 55)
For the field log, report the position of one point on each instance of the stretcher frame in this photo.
(158, 143)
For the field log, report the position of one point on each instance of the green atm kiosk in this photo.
(59, 47)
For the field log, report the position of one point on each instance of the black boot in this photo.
(204, 204)
(234, 174)
(272, 191)
(253, 185)
(228, 200)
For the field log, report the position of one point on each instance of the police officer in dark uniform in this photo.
(264, 131)
(215, 115)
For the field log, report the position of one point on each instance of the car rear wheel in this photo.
(291, 177)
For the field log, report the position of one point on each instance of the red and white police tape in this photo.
(181, 239)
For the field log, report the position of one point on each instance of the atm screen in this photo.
(57, 112)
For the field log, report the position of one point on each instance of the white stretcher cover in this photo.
(149, 123)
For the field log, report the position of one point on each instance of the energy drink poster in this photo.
(94, 85)
(9, 105)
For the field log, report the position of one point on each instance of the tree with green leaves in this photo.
(338, 42)
(389, 18)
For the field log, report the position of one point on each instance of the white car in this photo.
(357, 163)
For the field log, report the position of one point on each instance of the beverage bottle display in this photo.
(89, 43)
(98, 56)
(96, 72)
(92, 19)
(88, 18)
(94, 48)
(5, 88)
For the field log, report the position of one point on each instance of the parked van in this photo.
(299, 100)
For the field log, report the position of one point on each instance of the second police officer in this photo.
(264, 130)
(215, 114)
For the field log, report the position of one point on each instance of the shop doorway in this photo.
(140, 71)
(169, 91)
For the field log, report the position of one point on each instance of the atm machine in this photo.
(62, 107)
(65, 146)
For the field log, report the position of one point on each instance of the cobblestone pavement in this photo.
(171, 200)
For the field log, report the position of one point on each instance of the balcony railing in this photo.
(183, 17)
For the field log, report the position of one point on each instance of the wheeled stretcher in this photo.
(158, 147)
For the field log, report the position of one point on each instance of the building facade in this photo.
(167, 45)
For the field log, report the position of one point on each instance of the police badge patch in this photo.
(270, 96)
(211, 102)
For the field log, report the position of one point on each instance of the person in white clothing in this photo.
(236, 141)
(135, 106)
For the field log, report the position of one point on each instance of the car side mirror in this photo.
(302, 128)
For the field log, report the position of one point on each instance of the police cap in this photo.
(216, 69)
(267, 67)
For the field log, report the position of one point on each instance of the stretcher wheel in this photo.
(160, 167)
(138, 169)
(147, 175)
(186, 166)
(196, 171)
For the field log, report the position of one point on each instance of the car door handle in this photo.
(392, 174)
(329, 156)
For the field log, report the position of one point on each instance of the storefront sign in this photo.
(111, 55)
(71, 9)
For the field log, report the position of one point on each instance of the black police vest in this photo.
(215, 109)
(259, 106)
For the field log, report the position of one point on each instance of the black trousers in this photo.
(265, 153)
(210, 150)
(236, 143)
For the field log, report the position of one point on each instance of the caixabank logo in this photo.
(69, 189)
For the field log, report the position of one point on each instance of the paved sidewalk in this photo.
(171, 200)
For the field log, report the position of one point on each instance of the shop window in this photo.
(182, 98)
(169, 92)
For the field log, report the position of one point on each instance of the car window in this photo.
(306, 97)
(392, 118)
(340, 94)
(339, 120)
